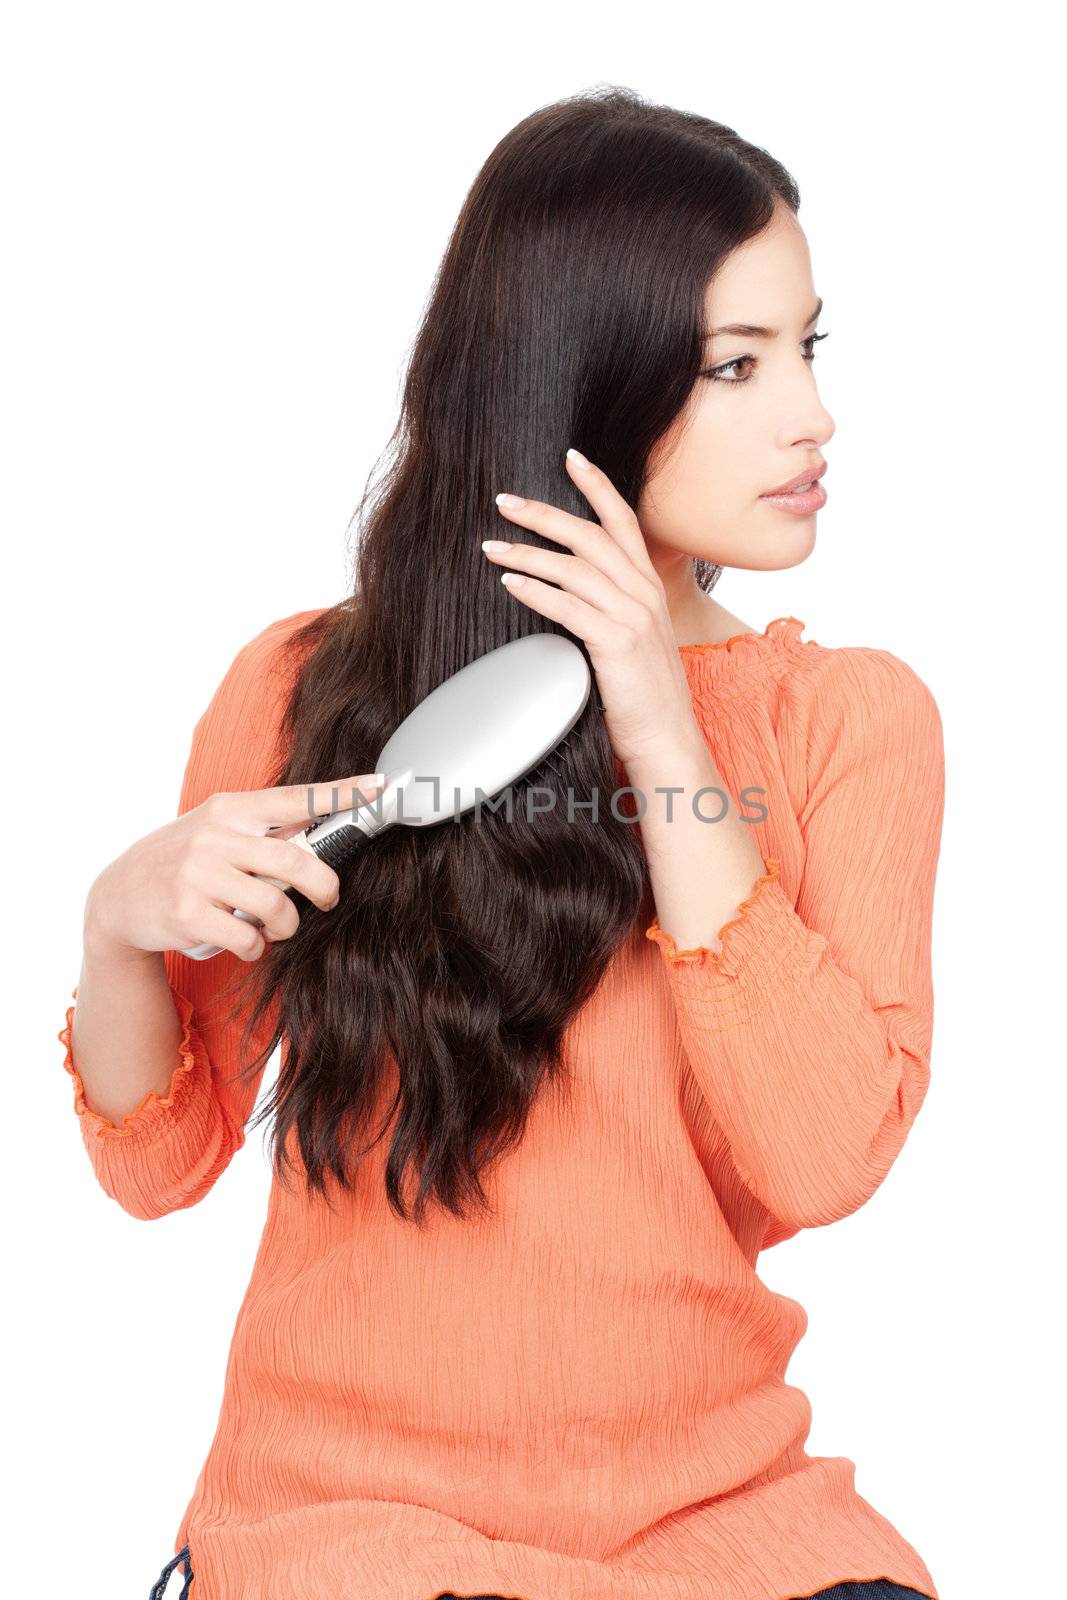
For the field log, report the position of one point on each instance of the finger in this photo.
(278, 858)
(288, 830)
(265, 901)
(296, 802)
(220, 927)
(614, 513)
(578, 577)
(590, 624)
(588, 540)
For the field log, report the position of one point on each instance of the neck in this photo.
(695, 617)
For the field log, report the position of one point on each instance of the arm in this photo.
(809, 1029)
(169, 1150)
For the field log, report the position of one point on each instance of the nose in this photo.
(816, 426)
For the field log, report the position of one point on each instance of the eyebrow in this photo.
(750, 330)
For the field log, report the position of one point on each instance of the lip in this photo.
(810, 476)
(798, 504)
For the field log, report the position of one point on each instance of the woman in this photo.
(617, 1054)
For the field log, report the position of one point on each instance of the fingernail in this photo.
(496, 544)
(510, 500)
(512, 579)
(577, 457)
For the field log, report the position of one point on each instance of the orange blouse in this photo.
(584, 1397)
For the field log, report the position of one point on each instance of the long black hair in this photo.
(568, 310)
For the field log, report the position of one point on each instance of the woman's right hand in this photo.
(179, 886)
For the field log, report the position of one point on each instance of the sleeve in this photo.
(167, 1153)
(809, 1032)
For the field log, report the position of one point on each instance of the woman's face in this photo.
(755, 425)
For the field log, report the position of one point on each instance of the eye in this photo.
(716, 374)
(719, 374)
(813, 339)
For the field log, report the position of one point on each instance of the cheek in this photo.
(713, 462)
(731, 445)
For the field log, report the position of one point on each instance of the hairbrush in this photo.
(483, 728)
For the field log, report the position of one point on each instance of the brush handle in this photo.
(335, 840)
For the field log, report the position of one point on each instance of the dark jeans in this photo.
(875, 1589)
(159, 1588)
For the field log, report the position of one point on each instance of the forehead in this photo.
(767, 280)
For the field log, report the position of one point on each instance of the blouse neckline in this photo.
(780, 634)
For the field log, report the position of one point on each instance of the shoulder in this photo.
(267, 662)
(245, 710)
(863, 680)
(866, 700)
(268, 650)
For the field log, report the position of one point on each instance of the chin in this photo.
(774, 552)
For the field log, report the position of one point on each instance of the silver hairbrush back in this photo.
(485, 727)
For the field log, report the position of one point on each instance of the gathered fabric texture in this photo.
(583, 1394)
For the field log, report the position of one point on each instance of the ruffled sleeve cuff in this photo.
(765, 946)
(145, 1118)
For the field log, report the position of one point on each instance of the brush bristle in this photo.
(340, 845)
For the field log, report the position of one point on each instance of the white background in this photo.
(222, 222)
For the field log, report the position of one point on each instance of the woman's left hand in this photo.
(610, 595)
